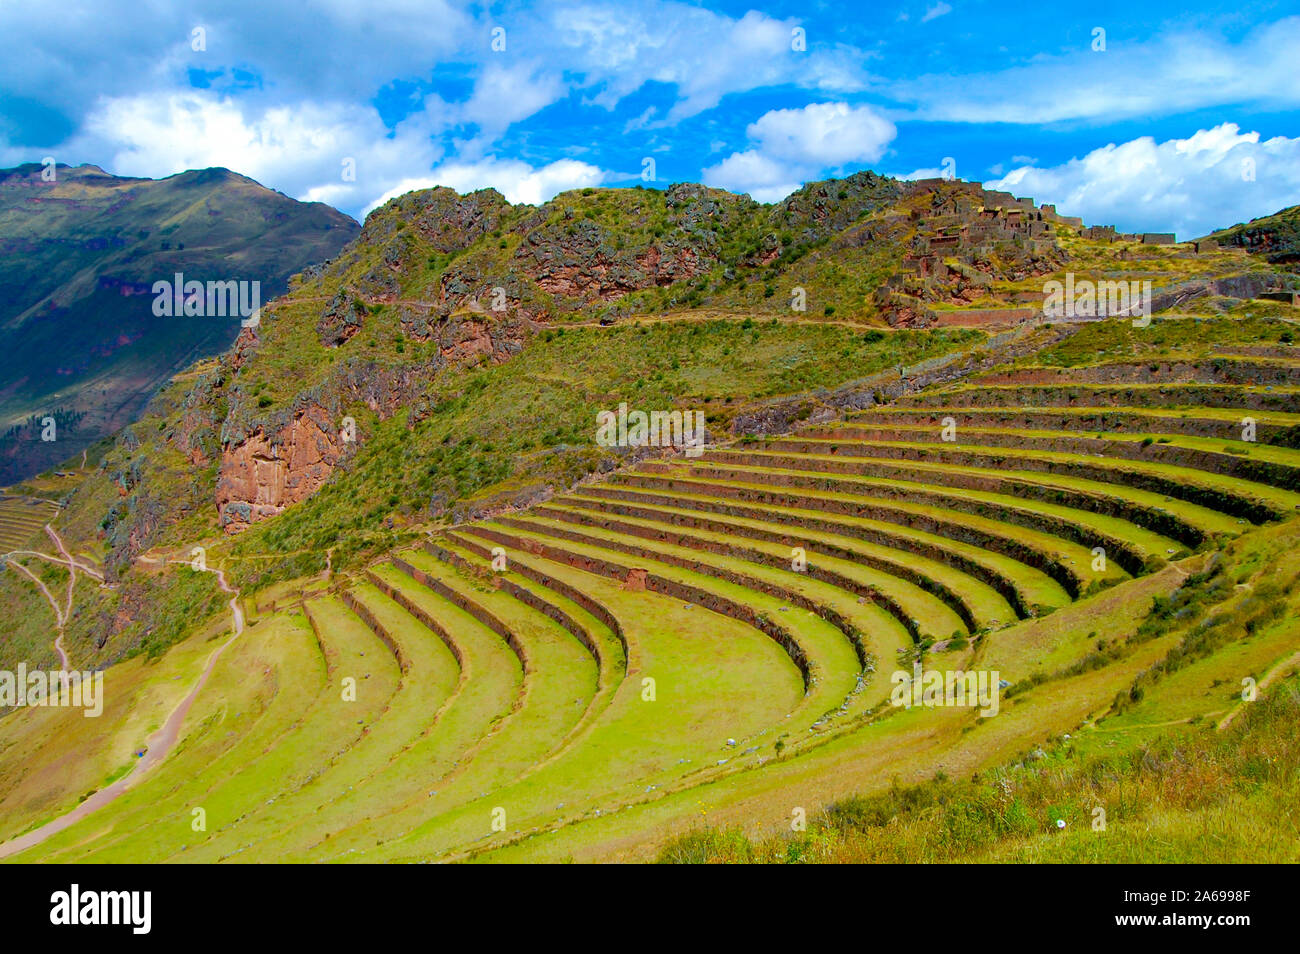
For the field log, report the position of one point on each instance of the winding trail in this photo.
(50, 558)
(61, 616)
(156, 748)
(1278, 670)
(58, 542)
(54, 605)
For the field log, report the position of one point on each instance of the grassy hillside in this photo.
(650, 674)
(1197, 796)
(1275, 238)
(471, 632)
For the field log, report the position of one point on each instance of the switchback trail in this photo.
(61, 616)
(157, 747)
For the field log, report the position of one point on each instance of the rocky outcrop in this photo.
(271, 462)
(587, 266)
(340, 320)
(449, 221)
(1275, 238)
(1247, 285)
(264, 474)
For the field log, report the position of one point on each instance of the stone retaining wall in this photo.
(1003, 585)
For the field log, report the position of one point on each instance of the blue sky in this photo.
(1157, 115)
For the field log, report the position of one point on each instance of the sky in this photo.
(1152, 116)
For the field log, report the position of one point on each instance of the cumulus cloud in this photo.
(762, 177)
(506, 93)
(790, 146)
(516, 180)
(314, 49)
(1212, 179)
(325, 49)
(284, 93)
(305, 151)
(332, 152)
(825, 134)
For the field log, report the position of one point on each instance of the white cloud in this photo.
(120, 73)
(1212, 179)
(823, 134)
(299, 150)
(791, 146)
(1166, 75)
(283, 92)
(763, 178)
(705, 55)
(314, 49)
(516, 180)
(505, 94)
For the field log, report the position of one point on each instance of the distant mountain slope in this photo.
(1276, 237)
(78, 260)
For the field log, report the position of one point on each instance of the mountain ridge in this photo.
(400, 333)
(82, 254)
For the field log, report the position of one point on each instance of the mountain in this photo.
(1276, 237)
(438, 284)
(443, 617)
(79, 256)
(468, 341)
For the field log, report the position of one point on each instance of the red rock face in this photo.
(636, 580)
(473, 340)
(261, 476)
(597, 276)
(243, 347)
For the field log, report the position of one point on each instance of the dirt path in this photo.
(701, 317)
(54, 605)
(58, 542)
(1274, 673)
(61, 616)
(64, 664)
(72, 585)
(51, 558)
(156, 748)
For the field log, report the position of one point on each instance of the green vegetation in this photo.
(1164, 338)
(475, 634)
(1275, 237)
(1197, 796)
(530, 421)
(76, 291)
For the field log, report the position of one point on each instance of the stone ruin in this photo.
(1107, 233)
(967, 238)
(964, 240)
